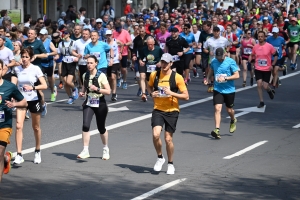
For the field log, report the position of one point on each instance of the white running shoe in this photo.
(18, 160)
(159, 163)
(37, 158)
(171, 169)
(105, 155)
(27, 114)
(84, 154)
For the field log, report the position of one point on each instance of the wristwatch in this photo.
(225, 78)
(98, 89)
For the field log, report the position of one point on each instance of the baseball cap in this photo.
(66, 32)
(174, 29)
(44, 31)
(173, 15)
(266, 18)
(99, 20)
(154, 19)
(152, 12)
(108, 32)
(294, 19)
(167, 57)
(203, 19)
(63, 14)
(259, 22)
(275, 30)
(233, 14)
(219, 53)
(216, 29)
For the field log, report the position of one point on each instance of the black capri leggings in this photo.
(101, 113)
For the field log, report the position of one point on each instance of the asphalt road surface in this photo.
(261, 160)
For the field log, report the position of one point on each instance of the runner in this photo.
(197, 50)
(233, 41)
(225, 71)
(163, 87)
(94, 90)
(30, 81)
(247, 44)
(262, 52)
(162, 36)
(293, 32)
(7, 56)
(56, 39)
(7, 91)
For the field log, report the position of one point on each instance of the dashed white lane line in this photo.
(246, 149)
(296, 126)
(159, 189)
(112, 104)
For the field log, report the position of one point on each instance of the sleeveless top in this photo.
(246, 49)
(46, 62)
(115, 48)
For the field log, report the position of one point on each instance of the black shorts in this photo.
(48, 71)
(292, 44)
(103, 70)
(113, 69)
(82, 70)
(187, 60)
(169, 119)
(280, 62)
(8, 76)
(220, 98)
(262, 75)
(232, 52)
(124, 61)
(204, 62)
(198, 53)
(34, 106)
(68, 69)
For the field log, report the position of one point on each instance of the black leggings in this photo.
(100, 113)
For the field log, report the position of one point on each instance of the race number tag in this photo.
(247, 50)
(162, 45)
(2, 116)
(219, 76)
(151, 68)
(69, 59)
(294, 33)
(262, 62)
(97, 55)
(176, 58)
(162, 92)
(93, 101)
(27, 92)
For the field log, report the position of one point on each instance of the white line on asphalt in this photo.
(132, 85)
(246, 149)
(297, 126)
(124, 123)
(112, 104)
(159, 189)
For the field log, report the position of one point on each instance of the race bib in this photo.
(162, 45)
(151, 68)
(262, 62)
(2, 116)
(93, 101)
(219, 76)
(247, 50)
(176, 58)
(97, 55)
(294, 33)
(162, 92)
(27, 92)
(69, 59)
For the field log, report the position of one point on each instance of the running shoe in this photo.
(75, 93)
(84, 154)
(124, 85)
(284, 72)
(295, 66)
(55, 90)
(189, 78)
(292, 66)
(244, 83)
(211, 89)
(144, 97)
(232, 126)
(53, 97)
(105, 155)
(139, 93)
(271, 94)
(171, 169)
(14, 109)
(119, 82)
(70, 100)
(251, 81)
(261, 104)
(159, 163)
(37, 158)
(147, 94)
(27, 115)
(61, 86)
(196, 75)
(44, 112)
(7, 165)
(114, 97)
(216, 133)
(18, 159)
(279, 81)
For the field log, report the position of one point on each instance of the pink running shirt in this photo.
(123, 37)
(263, 56)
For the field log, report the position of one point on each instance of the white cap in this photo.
(266, 18)
(99, 20)
(129, 2)
(44, 31)
(275, 30)
(108, 32)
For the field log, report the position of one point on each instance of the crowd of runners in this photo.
(164, 48)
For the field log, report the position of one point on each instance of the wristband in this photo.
(33, 87)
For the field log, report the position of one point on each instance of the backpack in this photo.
(69, 48)
(172, 81)
(94, 81)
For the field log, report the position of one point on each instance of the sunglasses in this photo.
(99, 22)
(25, 56)
(185, 28)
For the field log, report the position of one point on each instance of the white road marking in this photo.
(124, 123)
(111, 109)
(159, 189)
(297, 126)
(249, 110)
(120, 102)
(246, 149)
(132, 85)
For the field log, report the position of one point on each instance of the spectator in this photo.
(109, 11)
(166, 7)
(106, 21)
(70, 14)
(82, 11)
(61, 20)
(127, 9)
(27, 20)
(40, 23)
(3, 14)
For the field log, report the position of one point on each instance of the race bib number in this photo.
(247, 50)
(27, 92)
(2, 116)
(262, 62)
(97, 55)
(176, 58)
(93, 101)
(162, 45)
(219, 76)
(69, 59)
(294, 33)
(151, 68)
(162, 92)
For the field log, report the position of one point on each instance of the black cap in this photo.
(216, 29)
(174, 29)
(219, 53)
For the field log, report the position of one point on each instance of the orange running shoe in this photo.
(61, 86)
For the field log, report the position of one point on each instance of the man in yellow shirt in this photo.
(163, 86)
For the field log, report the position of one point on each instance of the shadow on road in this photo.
(138, 169)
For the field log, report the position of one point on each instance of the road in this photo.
(261, 160)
